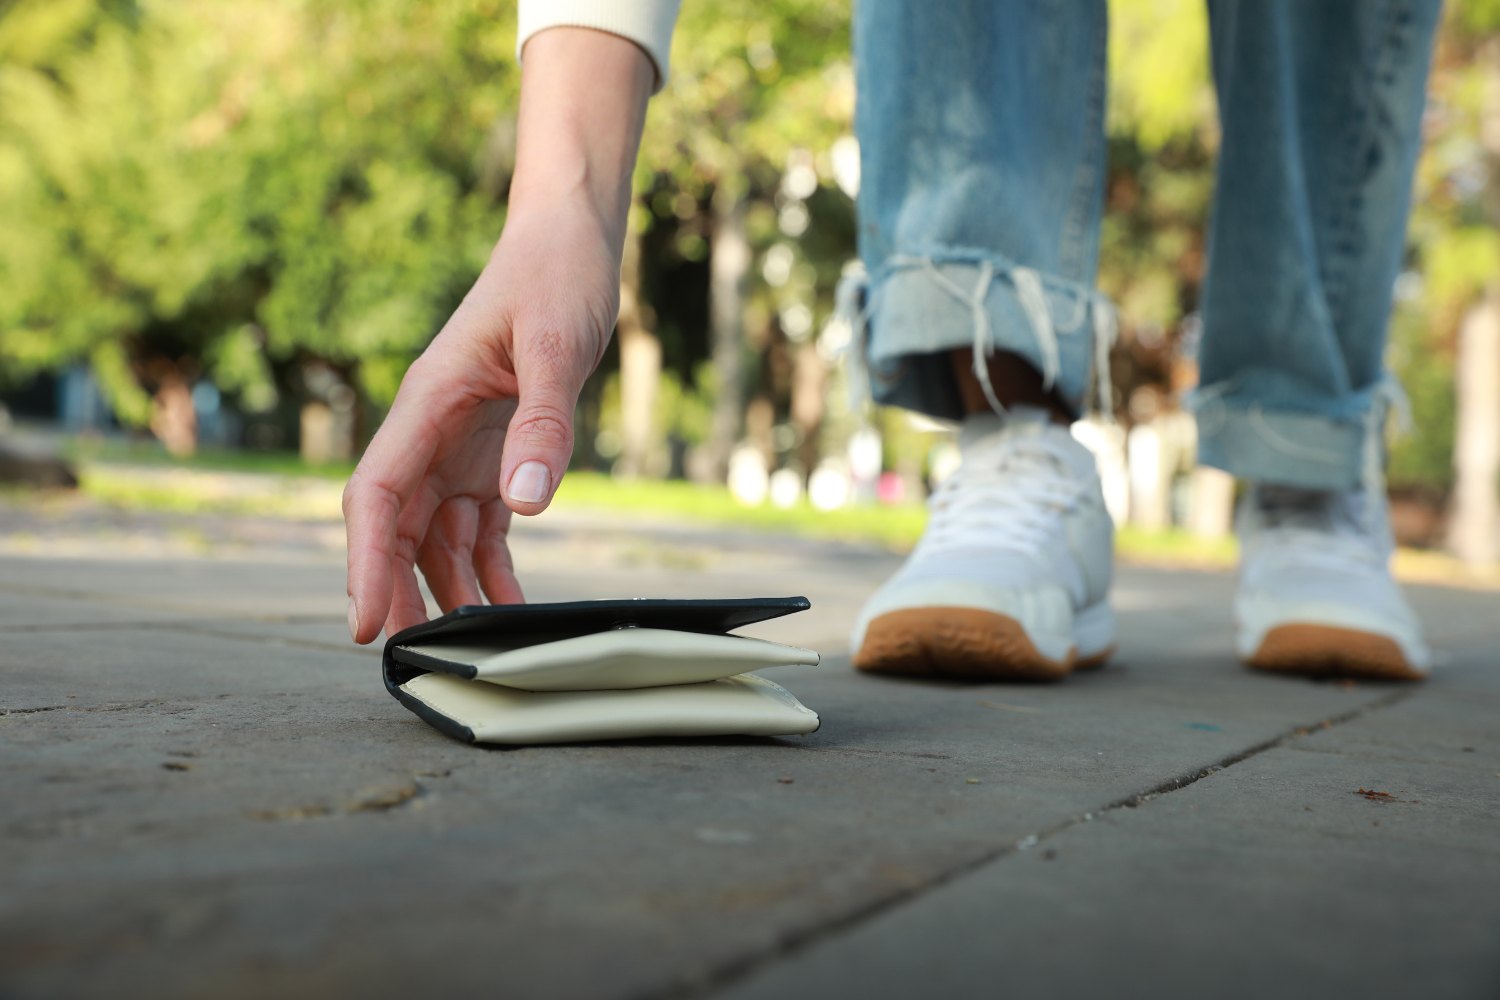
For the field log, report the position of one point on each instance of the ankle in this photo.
(1015, 383)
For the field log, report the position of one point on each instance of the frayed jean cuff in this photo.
(1288, 448)
(916, 309)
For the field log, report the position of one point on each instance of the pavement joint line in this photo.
(736, 970)
(34, 591)
(186, 624)
(169, 706)
(93, 597)
(871, 752)
(109, 706)
(279, 640)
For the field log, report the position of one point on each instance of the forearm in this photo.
(583, 104)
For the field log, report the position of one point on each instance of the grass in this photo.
(897, 526)
(141, 477)
(894, 526)
(113, 451)
(279, 485)
(175, 491)
(1175, 547)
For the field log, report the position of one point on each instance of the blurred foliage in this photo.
(1162, 130)
(1158, 72)
(1163, 136)
(240, 191)
(228, 189)
(760, 94)
(1454, 244)
(751, 84)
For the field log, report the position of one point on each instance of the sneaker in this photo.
(1315, 592)
(1011, 577)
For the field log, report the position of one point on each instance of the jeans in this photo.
(981, 134)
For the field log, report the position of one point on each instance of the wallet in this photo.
(598, 670)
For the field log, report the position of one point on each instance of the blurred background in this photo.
(226, 230)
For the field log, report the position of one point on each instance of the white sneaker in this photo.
(1316, 594)
(1011, 577)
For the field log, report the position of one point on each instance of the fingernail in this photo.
(529, 483)
(353, 621)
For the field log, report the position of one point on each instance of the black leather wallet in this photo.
(592, 670)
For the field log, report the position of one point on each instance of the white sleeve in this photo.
(647, 23)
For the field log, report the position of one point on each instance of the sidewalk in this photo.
(208, 792)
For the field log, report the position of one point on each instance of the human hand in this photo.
(482, 426)
(483, 423)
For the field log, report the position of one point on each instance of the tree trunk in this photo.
(729, 266)
(173, 419)
(315, 439)
(327, 426)
(1150, 477)
(1211, 510)
(809, 376)
(1474, 529)
(642, 445)
(1474, 534)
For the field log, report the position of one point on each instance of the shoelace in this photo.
(852, 311)
(1011, 496)
(1319, 527)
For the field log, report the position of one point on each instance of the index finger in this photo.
(382, 484)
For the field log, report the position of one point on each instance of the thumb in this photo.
(539, 439)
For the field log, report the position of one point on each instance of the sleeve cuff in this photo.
(647, 23)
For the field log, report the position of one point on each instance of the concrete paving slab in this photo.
(225, 800)
(229, 809)
(23, 608)
(1273, 876)
(275, 584)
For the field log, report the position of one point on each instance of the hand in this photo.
(483, 423)
(482, 426)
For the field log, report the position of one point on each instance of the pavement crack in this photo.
(1184, 780)
(172, 625)
(115, 706)
(872, 752)
(378, 799)
(798, 941)
(386, 799)
(278, 640)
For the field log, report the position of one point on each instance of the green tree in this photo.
(758, 91)
(1446, 337)
(238, 191)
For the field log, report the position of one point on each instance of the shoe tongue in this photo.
(1335, 513)
(978, 428)
(1293, 503)
(983, 432)
(1337, 518)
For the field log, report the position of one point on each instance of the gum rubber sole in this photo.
(1328, 651)
(958, 642)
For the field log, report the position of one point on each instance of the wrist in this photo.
(575, 190)
(583, 104)
(568, 217)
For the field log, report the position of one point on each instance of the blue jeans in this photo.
(981, 133)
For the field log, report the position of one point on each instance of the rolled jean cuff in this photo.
(1278, 446)
(918, 309)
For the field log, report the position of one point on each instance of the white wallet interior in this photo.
(743, 706)
(615, 659)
